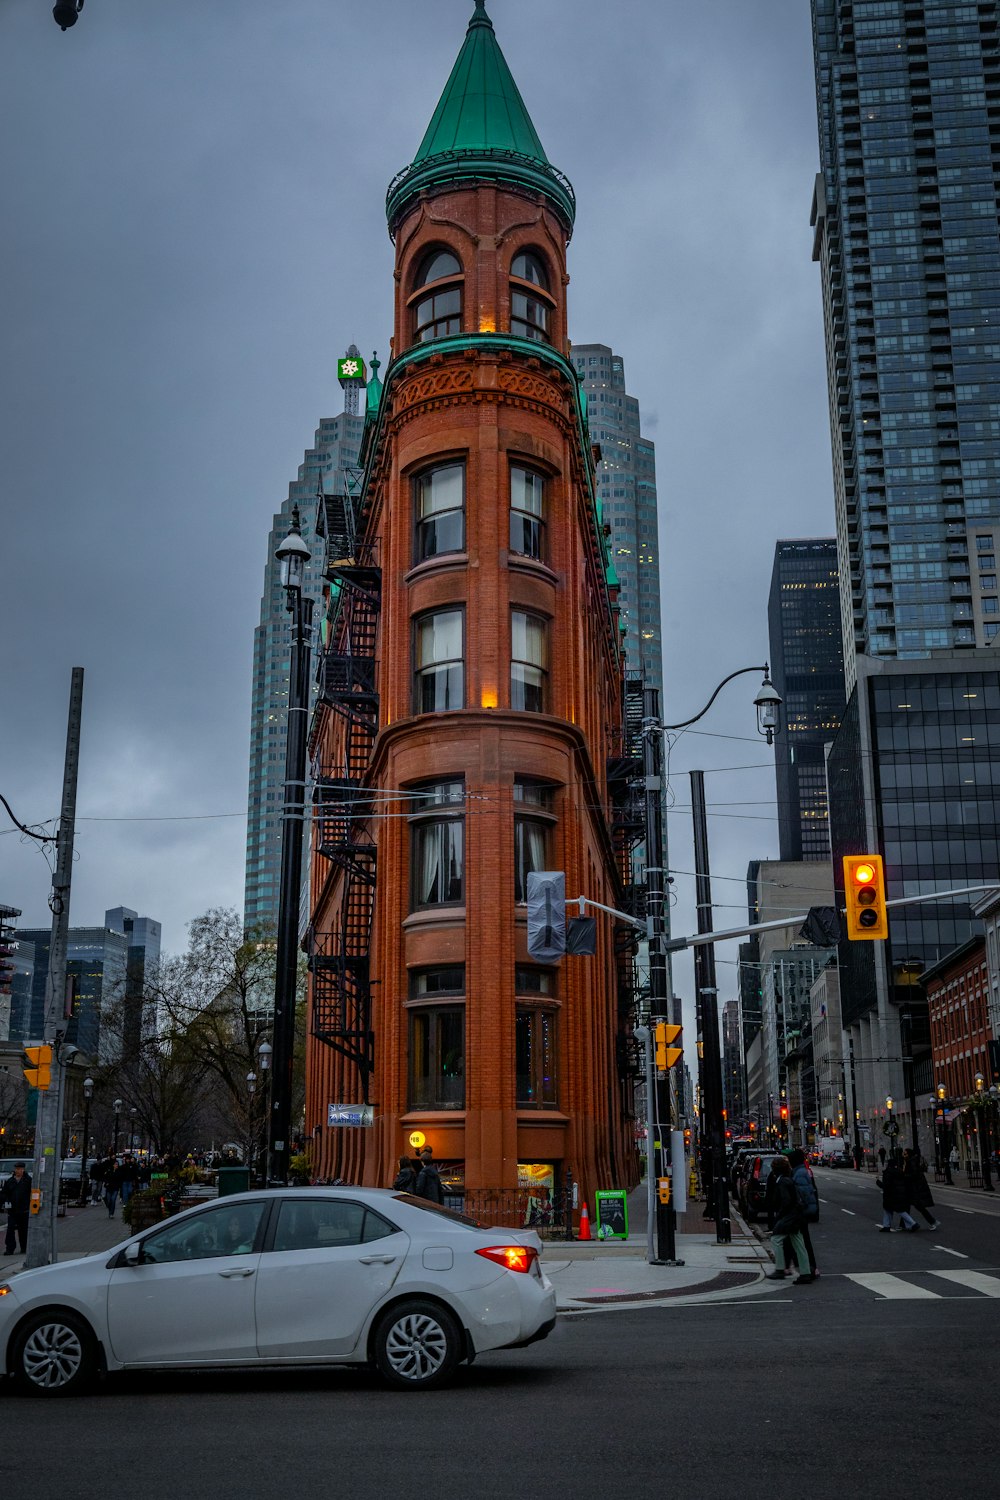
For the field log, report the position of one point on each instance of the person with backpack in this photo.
(429, 1184)
(788, 1226)
(406, 1177)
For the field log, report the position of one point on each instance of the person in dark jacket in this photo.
(17, 1196)
(406, 1177)
(112, 1186)
(770, 1190)
(918, 1192)
(805, 1186)
(894, 1199)
(428, 1184)
(788, 1223)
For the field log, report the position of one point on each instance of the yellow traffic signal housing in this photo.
(37, 1066)
(864, 897)
(665, 1033)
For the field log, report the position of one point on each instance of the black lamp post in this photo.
(117, 1108)
(767, 704)
(941, 1107)
(293, 555)
(984, 1133)
(264, 1053)
(891, 1128)
(88, 1094)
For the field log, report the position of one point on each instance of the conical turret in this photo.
(480, 132)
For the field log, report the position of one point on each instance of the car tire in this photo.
(417, 1345)
(54, 1354)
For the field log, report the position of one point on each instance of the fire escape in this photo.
(343, 804)
(626, 795)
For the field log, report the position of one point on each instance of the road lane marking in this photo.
(988, 1285)
(893, 1288)
(849, 1211)
(949, 1251)
(964, 1210)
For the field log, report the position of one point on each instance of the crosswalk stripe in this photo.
(988, 1285)
(892, 1287)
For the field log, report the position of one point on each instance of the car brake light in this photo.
(511, 1257)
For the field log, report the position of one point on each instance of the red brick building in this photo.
(471, 696)
(957, 1000)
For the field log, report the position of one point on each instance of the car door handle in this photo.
(377, 1260)
(238, 1271)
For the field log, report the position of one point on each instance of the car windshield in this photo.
(435, 1208)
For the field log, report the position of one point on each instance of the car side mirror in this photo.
(133, 1253)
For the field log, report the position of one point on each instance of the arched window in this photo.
(530, 267)
(440, 263)
(529, 314)
(440, 313)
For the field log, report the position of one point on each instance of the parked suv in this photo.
(754, 1184)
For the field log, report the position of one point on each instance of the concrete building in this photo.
(733, 1070)
(327, 466)
(471, 697)
(834, 1102)
(807, 669)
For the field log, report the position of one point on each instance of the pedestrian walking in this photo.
(805, 1187)
(129, 1175)
(894, 1199)
(881, 1156)
(428, 1184)
(918, 1192)
(406, 1177)
(859, 1157)
(788, 1223)
(98, 1173)
(112, 1186)
(953, 1159)
(16, 1194)
(770, 1196)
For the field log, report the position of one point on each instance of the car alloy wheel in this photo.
(417, 1345)
(53, 1356)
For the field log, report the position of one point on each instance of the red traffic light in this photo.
(864, 874)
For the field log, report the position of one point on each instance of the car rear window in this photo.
(435, 1208)
(765, 1166)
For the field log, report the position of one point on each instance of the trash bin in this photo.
(233, 1180)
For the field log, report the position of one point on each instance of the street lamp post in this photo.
(264, 1062)
(984, 1134)
(891, 1128)
(944, 1154)
(117, 1108)
(131, 1129)
(251, 1112)
(293, 554)
(88, 1094)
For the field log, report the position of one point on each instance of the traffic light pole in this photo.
(657, 1103)
(48, 1120)
(704, 968)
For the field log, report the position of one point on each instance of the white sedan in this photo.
(290, 1276)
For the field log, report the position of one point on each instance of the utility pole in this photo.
(48, 1120)
(704, 969)
(658, 1110)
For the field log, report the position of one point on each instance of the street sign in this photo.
(350, 1114)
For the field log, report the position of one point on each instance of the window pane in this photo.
(527, 689)
(526, 490)
(535, 1058)
(439, 263)
(438, 862)
(528, 639)
(437, 1058)
(323, 1225)
(448, 981)
(219, 1231)
(439, 638)
(530, 267)
(529, 853)
(526, 498)
(440, 501)
(441, 489)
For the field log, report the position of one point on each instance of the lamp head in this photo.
(88, 1088)
(65, 12)
(293, 554)
(768, 706)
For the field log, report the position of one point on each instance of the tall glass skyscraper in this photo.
(627, 491)
(905, 216)
(334, 451)
(807, 668)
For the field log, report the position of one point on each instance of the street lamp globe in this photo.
(293, 554)
(980, 1080)
(768, 706)
(251, 1082)
(941, 1091)
(88, 1088)
(264, 1054)
(888, 1102)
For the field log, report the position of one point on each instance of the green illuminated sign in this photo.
(351, 370)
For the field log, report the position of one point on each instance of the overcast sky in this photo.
(194, 229)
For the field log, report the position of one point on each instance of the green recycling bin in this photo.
(233, 1180)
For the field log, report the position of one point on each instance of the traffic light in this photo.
(37, 1066)
(864, 897)
(784, 1111)
(546, 915)
(666, 1055)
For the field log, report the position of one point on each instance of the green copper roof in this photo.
(481, 108)
(480, 130)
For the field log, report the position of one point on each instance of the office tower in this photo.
(471, 698)
(807, 669)
(8, 965)
(96, 966)
(626, 477)
(905, 215)
(733, 1074)
(142, 963)
(327, 466)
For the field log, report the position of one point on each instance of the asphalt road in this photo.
(820, 1391)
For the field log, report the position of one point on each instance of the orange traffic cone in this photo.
(584, 1233)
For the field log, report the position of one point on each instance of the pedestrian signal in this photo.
(664, 1034)
(864, 897)
(37, 1066)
